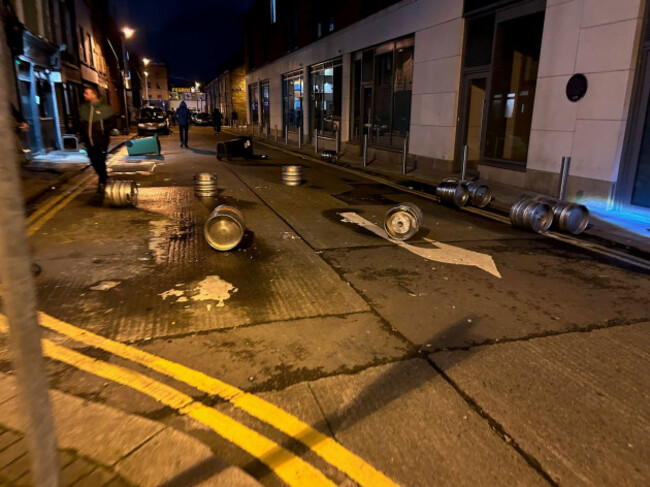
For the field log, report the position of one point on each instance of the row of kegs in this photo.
(225, 227)
(541, 213)
(458, 193)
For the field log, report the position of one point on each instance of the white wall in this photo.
(437, 28)
(598, 38)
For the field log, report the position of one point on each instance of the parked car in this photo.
(152, 121)
(203, 119)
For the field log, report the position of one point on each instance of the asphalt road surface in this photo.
(473, 354)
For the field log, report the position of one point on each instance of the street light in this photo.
(127, 33)
(196, 89)
(146, 86)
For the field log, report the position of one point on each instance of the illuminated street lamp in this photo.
(196, 89)
(127, 33)
(146, 86)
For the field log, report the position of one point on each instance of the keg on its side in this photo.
(452, 192)
(329, 155)
(292, 175)
(567, 216)
(224, 228)
(205, 185)
(403, 221)
(480, 195)
(121, 193)
(531, 215)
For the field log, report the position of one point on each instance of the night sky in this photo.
(194, 36)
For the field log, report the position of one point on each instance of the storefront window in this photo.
(383, 83)
(254, 103)
(514, 77)
(292, 89)
(326, 81)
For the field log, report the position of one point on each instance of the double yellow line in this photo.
(290, 468)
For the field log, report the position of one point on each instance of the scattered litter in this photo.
(209, 307)
(469, 321)
(171, 292)
(105, 285)
(187, 306)
(146, 339)
(556, 318)
(143, 258)
(179, 285)
(251, 378)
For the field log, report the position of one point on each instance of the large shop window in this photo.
(326, 81)
(514, 77)
(383, 82)
(292, 90)
(254, 103)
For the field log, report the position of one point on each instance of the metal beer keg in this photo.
(121, 193)
(292, 175)
(403, 221)
(224, 228)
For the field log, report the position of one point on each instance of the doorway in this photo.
(474, 88)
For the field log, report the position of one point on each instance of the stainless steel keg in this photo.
(121, 193)
(205, 185)
(403, 221)
(224, 228)
(292, 175)
(452, 192)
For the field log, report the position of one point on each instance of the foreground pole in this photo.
(19, 298)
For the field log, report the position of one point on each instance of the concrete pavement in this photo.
(101, 445)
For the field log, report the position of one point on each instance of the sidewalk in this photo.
(55, 168)
(626, 230)
(100, 445)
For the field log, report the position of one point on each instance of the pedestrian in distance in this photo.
(183, 119)
(96, 122)
(234, 118)
(217, 120)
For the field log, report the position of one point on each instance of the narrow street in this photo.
(473, 354)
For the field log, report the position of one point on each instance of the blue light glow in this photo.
(633, 219)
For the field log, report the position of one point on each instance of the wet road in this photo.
(463, 357)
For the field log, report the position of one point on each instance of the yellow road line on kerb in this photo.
(54, 200)
(324, 446)
(290, 468)
(34, 227)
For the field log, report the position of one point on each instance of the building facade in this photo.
(156, 77)
(227, 92)
(62, 49)
(521, 83)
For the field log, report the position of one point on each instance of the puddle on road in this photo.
(212, 288)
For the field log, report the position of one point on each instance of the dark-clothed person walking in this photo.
(96, 122)
(235, 123)
(183, 119)
(217, 120)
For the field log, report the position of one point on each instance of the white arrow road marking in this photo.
(447, 254)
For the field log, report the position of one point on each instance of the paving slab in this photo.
(578, 402)
(409, 423)
(272, 276)
(545, 287)
(274, 355)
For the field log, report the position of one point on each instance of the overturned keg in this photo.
(403, 221)
(224, 228)
(531, 215)
(480, 195)
(121, 193)
(205, 185)
(329, 155)
(292, 175)
(452, 192)
(567, 217)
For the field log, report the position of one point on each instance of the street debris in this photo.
(212, 288)
(105, 285)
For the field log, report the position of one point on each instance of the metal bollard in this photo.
(300, 137)
(463, 166)
(365, 150)
(337, 141)
(404, 152)
(316, 141)
(276, 133)
(286, 135)
(564, 176)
